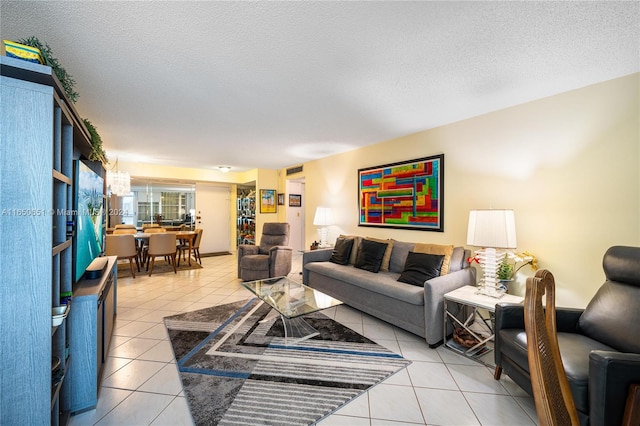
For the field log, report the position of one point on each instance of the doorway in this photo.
(213, 215)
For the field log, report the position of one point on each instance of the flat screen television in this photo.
(89, 206)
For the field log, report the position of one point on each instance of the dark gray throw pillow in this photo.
(370, 254)
(342, 251)
(420, 267)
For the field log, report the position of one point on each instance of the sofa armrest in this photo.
(244, 250)
(610, 374)
(434, 291)
(511, 316)
(320, 255)
(279, 261)
(567, 320)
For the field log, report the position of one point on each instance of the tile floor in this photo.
(141, 386)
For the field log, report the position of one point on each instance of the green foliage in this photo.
(67, 82)
(97, 153)
(68, 85)
(505, 270)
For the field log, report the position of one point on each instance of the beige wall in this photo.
(568, 165)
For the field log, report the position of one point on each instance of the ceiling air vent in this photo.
(294, 170)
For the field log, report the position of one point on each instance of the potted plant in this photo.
(510, 266)
(68, 85)
(67, 82)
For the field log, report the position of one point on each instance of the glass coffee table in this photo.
(291, 300)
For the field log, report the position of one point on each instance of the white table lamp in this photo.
(493, 230)
(323, 218)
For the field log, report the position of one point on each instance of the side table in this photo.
(466, 297)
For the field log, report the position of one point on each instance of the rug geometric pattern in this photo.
(236, 369)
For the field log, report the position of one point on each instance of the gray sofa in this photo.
(418, 310)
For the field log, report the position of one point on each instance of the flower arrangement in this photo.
(513, 262)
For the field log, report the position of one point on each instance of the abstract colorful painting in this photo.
(403, 195)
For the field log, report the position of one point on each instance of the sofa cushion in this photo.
(421, 267)
(384, 283)
(384, 266)
(370, 254)
(399, 255)
(447, 251)
(459, 259)
(342, 251)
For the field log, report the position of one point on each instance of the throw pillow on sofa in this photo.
(342, 251)
(421, 267)
(354, 248)
(384, 266)
(447, 251)
(370, 254)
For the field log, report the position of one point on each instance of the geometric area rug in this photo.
(236, 369)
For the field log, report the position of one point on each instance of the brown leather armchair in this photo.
(599, 345)
(272, 258)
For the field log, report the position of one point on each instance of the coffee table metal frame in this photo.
(291, 299)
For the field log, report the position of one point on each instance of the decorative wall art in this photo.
(268, 201)
(406, 195)
(295, 200)
(281, 199)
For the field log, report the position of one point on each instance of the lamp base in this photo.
(487, 289)
(322, 233)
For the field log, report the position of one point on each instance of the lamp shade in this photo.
(492, 228)
(323, 217)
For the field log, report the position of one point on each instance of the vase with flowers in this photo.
(510, 266)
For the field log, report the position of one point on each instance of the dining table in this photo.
(189, 236)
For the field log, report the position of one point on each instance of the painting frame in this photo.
(281, 199)
(403, 195)
(268, 201)
(295, 200)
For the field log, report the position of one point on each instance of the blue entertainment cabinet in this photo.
(90, 328)
(50, 366)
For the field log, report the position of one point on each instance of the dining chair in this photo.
(195, 247)
(161, 244)
(123, 246)
(154, 230)
(551, 393)
(144, 247)
(125, 226)
(121, 231)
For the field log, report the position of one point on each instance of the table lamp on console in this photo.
(494, 231)
(323, 218)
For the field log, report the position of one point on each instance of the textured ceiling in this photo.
(273, 84)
